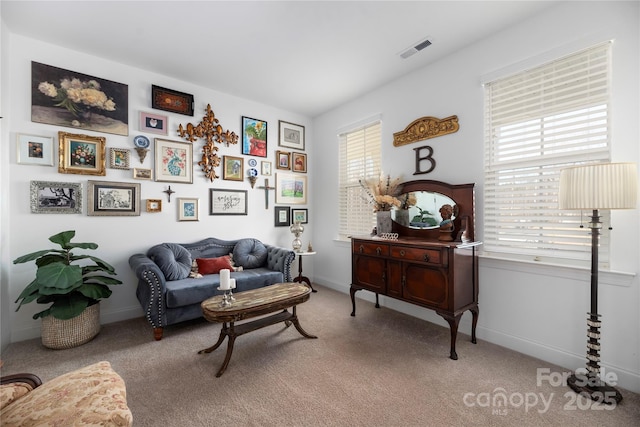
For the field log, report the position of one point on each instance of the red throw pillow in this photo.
(213, 265)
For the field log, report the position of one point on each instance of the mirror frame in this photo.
(462, 194)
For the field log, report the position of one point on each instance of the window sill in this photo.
(605, 277)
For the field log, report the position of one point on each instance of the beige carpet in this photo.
(381, 368)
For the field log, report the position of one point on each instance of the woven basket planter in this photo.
(60, 334)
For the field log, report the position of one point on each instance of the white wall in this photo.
(120, 237)
(538, 310)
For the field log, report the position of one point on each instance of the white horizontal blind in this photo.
(359, 158)
(536, 123)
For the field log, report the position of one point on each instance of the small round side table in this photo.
(300, 277)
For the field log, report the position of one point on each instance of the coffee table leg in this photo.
(223, 333)
(296, 323)
(227, 358)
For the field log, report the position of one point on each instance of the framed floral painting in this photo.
(67, 98)
(254, 137)
(174, 161)
(81, 154)
(188, 209)
(35, 150)
(119, 158)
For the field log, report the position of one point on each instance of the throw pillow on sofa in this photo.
(249, 253)
(213, 265)
(172, 259)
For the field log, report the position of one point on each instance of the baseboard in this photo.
(566, 361)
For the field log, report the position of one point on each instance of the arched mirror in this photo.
(421, 209)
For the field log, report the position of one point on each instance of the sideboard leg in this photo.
(353, 291)
(474, 312)
(453, 322)
(377, 303)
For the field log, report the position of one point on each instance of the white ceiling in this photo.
(304, 56)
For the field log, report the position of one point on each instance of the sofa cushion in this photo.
(214, 265)
(173, 260)
(93, 395)
(249, 253)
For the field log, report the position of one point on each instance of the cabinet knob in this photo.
(426, 257)
(378, 251)
(361, 249)
(402, 252)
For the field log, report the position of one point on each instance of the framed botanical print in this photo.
(299, 215)
(154, 205)
(283, 160)
(171, 100)
(228, 202)
(291, 188)
(107, 198)
(291, 135)
(119, 158)
(174, 161)
(233, 168)
(282, 214)
(56, 197)
(254, 137)
(81, 154)
(188, 209)
(35, 150)
(153, 123)
(299, 162)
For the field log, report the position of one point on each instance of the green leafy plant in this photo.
(69, 288)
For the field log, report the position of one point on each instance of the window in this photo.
(538, 122)
(359, 158)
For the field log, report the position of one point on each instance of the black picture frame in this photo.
(171, 100)
(282, 216)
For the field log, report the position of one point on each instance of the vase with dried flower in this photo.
(382, 192)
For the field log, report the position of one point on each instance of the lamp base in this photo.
(594, 388)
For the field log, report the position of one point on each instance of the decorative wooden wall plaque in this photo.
(425, 128)
(209, 129)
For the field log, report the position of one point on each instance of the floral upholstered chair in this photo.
(91, 396)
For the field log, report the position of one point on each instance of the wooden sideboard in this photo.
(421, 269)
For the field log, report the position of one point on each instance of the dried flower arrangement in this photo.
(382, 192)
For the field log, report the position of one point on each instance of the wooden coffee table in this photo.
(257, 302)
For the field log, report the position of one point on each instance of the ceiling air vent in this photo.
(415, 49)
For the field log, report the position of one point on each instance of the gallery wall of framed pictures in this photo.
(169, 154)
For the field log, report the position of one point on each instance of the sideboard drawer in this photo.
(365, 248)
(432, 256)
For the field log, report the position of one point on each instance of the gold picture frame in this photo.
(232, 168)
(82, 154)
(154, 205)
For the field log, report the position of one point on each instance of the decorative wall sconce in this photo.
(211, 130)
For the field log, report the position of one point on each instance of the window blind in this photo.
(359, 158)
(538, 122)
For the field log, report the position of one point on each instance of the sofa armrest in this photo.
(151, 289)
(280, 259)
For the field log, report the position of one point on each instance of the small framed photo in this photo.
(140, 173)
(254, 137)
(291, 135)
(228, 202)
(171, 100)
(174, 161)
(299, 162)
(154, 205)
(233, 168)
(299, 215)
(291, 188)
(81, 154)
(154, 123)
(107, 198)
(265, 168)
(35, 150)
(283, 160)
(282, 216)
(188, 209)
(119, 158)
(56, 197)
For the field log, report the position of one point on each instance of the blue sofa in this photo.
(168, 292)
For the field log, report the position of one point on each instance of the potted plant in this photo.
(73, 290)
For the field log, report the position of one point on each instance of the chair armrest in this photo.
(151, 289)
(280, 259)
(31, 379)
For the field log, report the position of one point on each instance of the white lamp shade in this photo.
(599, 186)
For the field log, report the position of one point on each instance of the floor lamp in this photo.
(597, 186)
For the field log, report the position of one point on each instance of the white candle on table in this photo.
(232, 283)
(224, 279)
